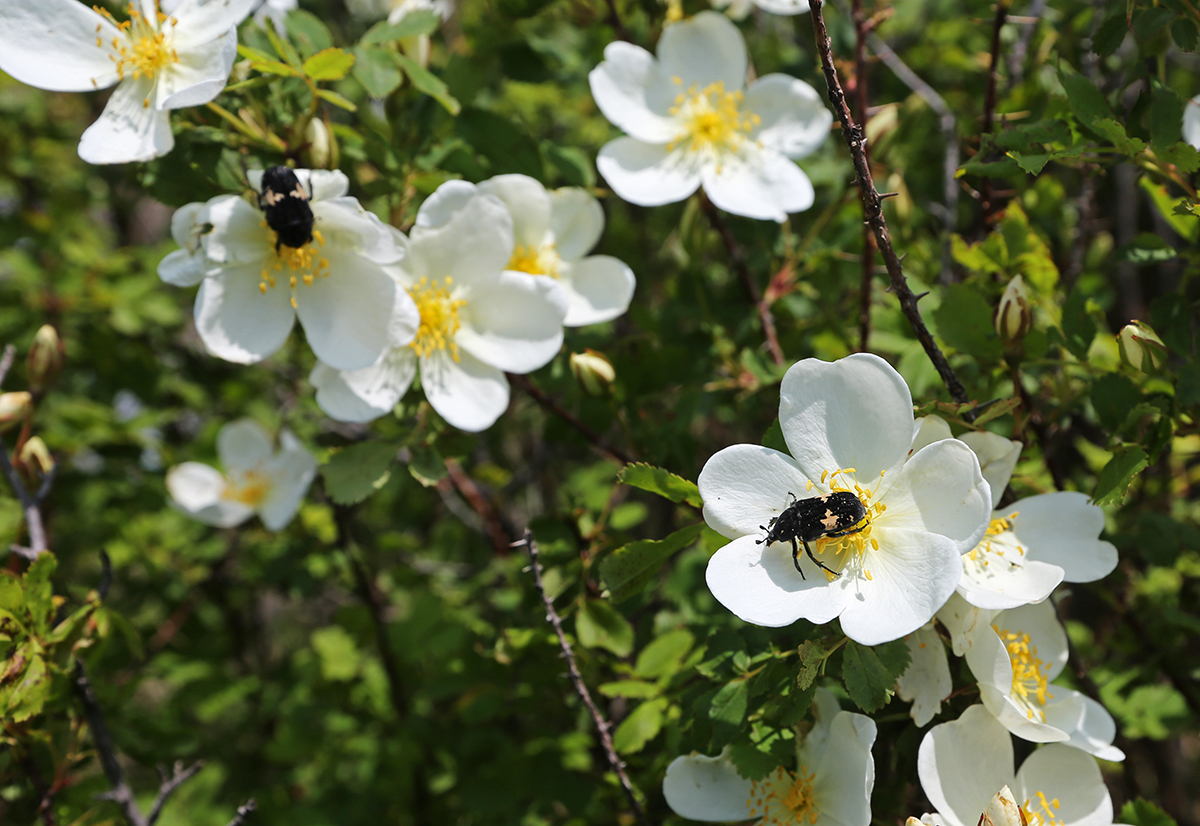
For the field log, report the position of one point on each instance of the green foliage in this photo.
(660, 481)
(355, 472)
(869, 674)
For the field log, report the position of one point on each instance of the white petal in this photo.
(467, 393)
(51, 44)
(344, 224)
(845, 777)
(745, 486)
(323, 184)
(963, 621)
(446, 200)
(705, 49)
(183, 269)
(760, 183)
(706, 788)
(366, 394)
(646, 174)
(1062, 528)
(631, 91)
(347, 316)
(825, 707)
(997, 458)
(203, 21)
(912, 575)
(129, 129)
(1073, 777)
(514, 322)
(291, 472)
(1003, 584)
(238, 322)
(794, 118)
(599, 288)
(576, 220)
(472, 247)
(238, 233)
(1095, 731)
(852, 413)
(1191, 119)
(783, 6)
(940, 489)
(198, 76)
(963, 764)
(196, 490)
(930, 429)
(926, 681)
(1045, 632)
(243, 445)
(761, 585)
(527, 201)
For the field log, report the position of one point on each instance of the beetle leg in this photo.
(852, 529)
(796, 556)
(819, 563)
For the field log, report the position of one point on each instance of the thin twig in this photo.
(1016, 58)
(862, 102)
(179, 775)
(491, 520)
(738, 256)
(614, 19)
(243, 812)
(873, 210)
(989, 106)
(539, 396)
(602, 725)
(29, 502)
(120, 793)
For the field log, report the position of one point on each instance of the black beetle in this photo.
(840, 513)
(284, 203)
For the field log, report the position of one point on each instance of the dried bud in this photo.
(1140, 347)
(1003, 811)
(35, 451)
(594, 371)
(1014, 316)
(45, 358)
(14, 407)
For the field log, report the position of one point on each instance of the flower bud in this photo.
(45, 358)
(1014, 315)
(14, 407)
(1003, 811)
(317, 135)
(1140, 347)
(35, 451)
(594, 371)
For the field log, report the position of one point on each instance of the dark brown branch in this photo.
(862, 102)
(535, 393)
(179, 775)
(873, 209)
(120, 794)
(614, 20)
(989, 106)
(738, 256)
(480, 504)
(29, 502)
(602, 725)
(243, 812)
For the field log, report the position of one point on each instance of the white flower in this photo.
(553, 232)
(158, 62)
(849, 425)
(395, 10)
(738, 9)
(1191, 122)
(964, 763)
(831, 785)
(689, 123)
(256, 479)
(276, 11)
(926, 681)
(1015, 656)
(477, 319)
(341, 285)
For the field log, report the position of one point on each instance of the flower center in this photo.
(784, 798)
(541, 260)
(1029, 674)
(713, 121)
(303, 264)
(1041, 813)
(250, 488)
(145, 50)
(850, 548)
(999, 544)
(439, 317)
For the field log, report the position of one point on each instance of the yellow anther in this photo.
(249, 488)
(784, 798)
(439, 317)
(712, 119)
(539, 260)
(1029, 683)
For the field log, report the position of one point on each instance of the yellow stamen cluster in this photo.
(1029, 674)
(439, 317)
(784, 798)
(999, 532)
(540, 260)
(144, 51)
(1041, 813)
(249, 488)
(303, 264)
(713, 121)
(854, 543)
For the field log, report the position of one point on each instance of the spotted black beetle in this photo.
(285, 205)
(840, 513)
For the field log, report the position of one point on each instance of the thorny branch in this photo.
(539, 396)
(602, 725)
(30, 503)
(470, 491)
(243, 812)
(989, 106)
(873, 211)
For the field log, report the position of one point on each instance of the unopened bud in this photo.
(1003, 811)
(317, 135)
(45, 358)
(14, 407)
(1014, 315)
(34, 451)
(594, 371)
(1140, 347)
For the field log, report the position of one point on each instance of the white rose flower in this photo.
(849, 425)
(689, 123)
(964, 763)
(341, 284)
(738, 9)
(926, 681)
(256, 479)
(831, 785)
(477, 319)
(158, 62)
(1191, 122)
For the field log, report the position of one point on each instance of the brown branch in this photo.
(614, 20)
(602, 725)
(738, 256)
(989, 107)
(1016, 58)
(29, 502)
(539, 396)
(873, 210)
(862, 102)
(491, 520)
(243, 812)
(179, 775)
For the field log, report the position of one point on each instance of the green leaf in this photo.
(752, 762)
(659, 481)
(39, 592)
(1144, 813)
(1033, 164)
(413, 24)
(572, 163)
(274, 67)
(337, 652)
(1110, 35)
(354, 473)
(627, 569)
(633, 689)
(728, 709)
(812, 654)
(1187, 385)
(773, 438)
(29, 692)
(664, 656)
(868, 681)
(427, 82)
(376, 71)
(506, 146)
(964, 321)
(12, 594)
(640, 727)
(1185, 224)
(427, 465)
(308, 32)
(1116, 477)
(336, 99)
(282, 48)
(794, 707)
(254, 54)
(329, 64)
(599, 625)
(1077, 325)
(1146, 248)
(894, 655)
(1165, 117)
(1000, 408)
(1113, 396)
(1085, 100)
(1115, 132)
(1185, 34)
